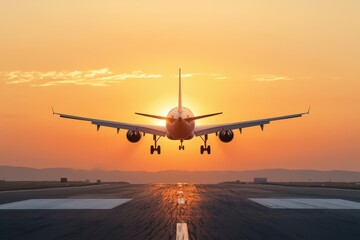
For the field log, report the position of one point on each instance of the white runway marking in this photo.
(306, 203)
(181, 200)
(64, 204)
(182, 231)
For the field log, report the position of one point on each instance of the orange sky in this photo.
(249, 59)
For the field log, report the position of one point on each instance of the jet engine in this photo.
(133, 136)
(226, 136)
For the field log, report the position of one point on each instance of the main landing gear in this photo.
(155, 147)
(181, 147)
(205, 147)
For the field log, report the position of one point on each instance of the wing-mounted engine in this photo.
(226, 136)
(133, 136)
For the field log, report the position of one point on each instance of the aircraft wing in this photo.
(150, 129)
(208, 129)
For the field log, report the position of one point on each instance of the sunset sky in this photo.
(248, 59)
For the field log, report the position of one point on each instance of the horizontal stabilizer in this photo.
(155, 116)
(202, 116)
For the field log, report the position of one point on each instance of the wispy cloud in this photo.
(270, 78)
(217, 76)
(188, 75)
(97, 78)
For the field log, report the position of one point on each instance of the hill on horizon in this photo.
(10, 173)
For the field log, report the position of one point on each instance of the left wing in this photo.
(205, 130)
(150, 129)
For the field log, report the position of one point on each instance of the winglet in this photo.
(53, 111)
(308, 112)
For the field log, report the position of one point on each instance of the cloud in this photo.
(217, 76)
(188, 75)
(96, 78)
(270, 78)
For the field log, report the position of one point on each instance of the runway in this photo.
(181, 211)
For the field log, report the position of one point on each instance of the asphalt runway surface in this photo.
(210, 212)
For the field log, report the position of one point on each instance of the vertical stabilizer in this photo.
(180, 99)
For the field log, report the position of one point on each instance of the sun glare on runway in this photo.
(182, 198)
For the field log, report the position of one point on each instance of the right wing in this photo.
(150, 129)
(208, 129)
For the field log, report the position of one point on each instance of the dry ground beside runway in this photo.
(24, 185)
(340, 185)
(209, 211)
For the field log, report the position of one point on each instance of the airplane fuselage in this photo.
(179, 128)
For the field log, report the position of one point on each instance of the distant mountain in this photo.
(275, 175)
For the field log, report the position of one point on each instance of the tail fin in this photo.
(180, 100)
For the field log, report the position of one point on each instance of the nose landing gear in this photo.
(205, 147)
(155, 147)
(181, 147)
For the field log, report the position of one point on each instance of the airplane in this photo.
(180, 126)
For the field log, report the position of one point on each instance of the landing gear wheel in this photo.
(208, 149)
(205, 147)
(181, 147)
(155, 147)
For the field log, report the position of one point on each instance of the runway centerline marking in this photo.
(64, 203)
(306, 203)
(182, 231)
